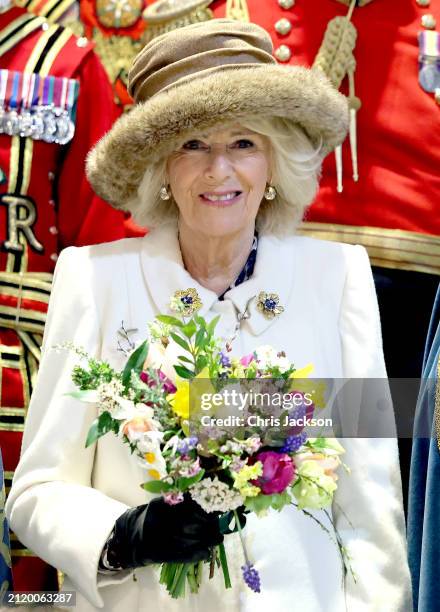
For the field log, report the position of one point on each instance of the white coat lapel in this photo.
(164, 274)
(164, 271)
(273, 273)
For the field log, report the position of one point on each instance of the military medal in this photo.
(41, 108)
(429, 60)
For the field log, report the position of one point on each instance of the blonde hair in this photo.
(296, 165)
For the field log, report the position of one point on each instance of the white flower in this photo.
(267, 357)
(215, 495)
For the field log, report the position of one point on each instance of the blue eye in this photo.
(193, 145)
(244, 143)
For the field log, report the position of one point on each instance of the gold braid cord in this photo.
(360, 2)
(336, 60)
(437, 405)
(237, 9)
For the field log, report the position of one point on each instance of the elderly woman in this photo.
(220, 157)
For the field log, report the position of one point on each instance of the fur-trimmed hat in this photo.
(196, 77)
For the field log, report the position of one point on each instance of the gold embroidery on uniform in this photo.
(54, 51)
(28, 152)
(389, 248)
(28, 22)
(22, 215)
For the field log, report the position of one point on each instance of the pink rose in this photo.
(278, 472)
(245, 361)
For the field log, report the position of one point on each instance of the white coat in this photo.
(65, 498)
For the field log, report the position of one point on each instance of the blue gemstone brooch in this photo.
(186, 302)
(269, 305)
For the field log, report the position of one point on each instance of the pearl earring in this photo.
(164, 193)
(270, 193)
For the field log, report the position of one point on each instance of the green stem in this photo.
(224, 564)
(237, 522)
(194, 587)
(177, 588)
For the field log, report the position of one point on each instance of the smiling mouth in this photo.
(220, 199)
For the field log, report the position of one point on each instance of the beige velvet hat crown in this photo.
(196, 77)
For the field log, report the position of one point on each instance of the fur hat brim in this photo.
(151, 130)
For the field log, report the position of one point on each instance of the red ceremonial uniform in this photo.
(393, 210)
(46, 205)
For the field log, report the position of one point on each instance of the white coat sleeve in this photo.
(370, 497)
(52, 506)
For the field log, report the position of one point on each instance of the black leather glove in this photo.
(158, 533)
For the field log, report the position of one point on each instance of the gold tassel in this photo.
(237, 10)
(336, 60)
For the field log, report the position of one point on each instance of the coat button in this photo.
(54, 257)
(283, 26)
(286, 4)
(82, 41)
(429, 22)
(53, 230)
(283, 53)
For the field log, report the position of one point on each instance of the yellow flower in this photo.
(241, 479)
(180, 400)
(154, 474)
(250, 491)
(315, 388)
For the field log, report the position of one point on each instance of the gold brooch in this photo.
(186, 302)
(269, 304)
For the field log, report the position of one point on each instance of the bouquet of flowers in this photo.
(250, 463)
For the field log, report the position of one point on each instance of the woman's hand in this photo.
(159, 533)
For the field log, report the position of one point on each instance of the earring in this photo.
(164, 193)
(270, 193)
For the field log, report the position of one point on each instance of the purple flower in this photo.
(224, 360)
(173, 498)
(166, 383)
(293, 443)
(251, 577)
(278, 472)
(187, 444)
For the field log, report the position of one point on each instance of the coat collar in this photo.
(165, 273)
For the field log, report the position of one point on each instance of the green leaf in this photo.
(201, 362)
(200, 321)
(185, 483)
(157, 486)
(258, 504)
(100, 426)
(185, 359)
(213, 324)
(169, 320)
(279, 500)
(183, 372)
(189, 329)
(135, 362)
(201, 340)
(180, 341)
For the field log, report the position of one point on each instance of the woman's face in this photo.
(218, 180)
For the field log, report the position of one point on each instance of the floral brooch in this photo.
(186, 302)
(269, 305)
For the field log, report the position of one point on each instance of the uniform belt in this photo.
(24, 297)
